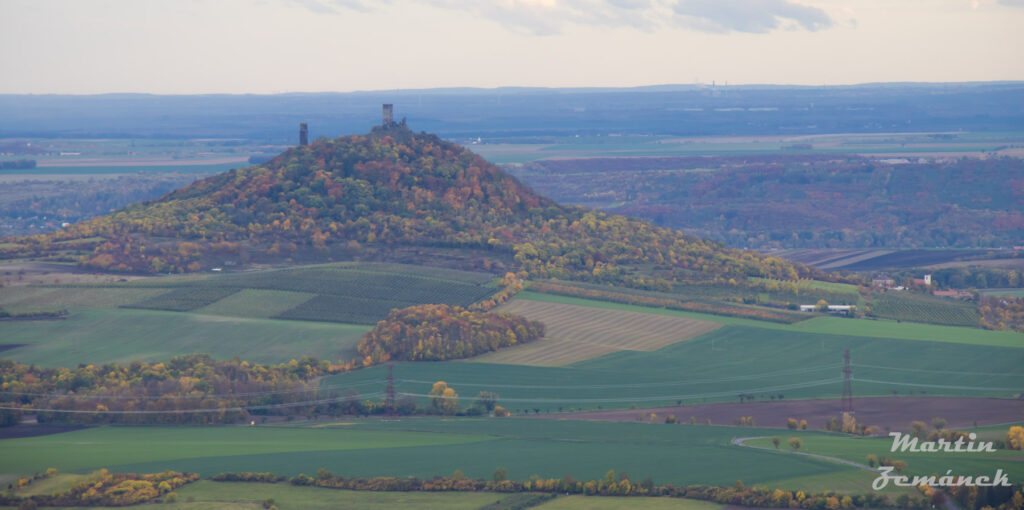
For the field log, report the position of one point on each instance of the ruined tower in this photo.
(388, 115)
(303, 134)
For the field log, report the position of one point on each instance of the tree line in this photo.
(190, 389)
(103, 488)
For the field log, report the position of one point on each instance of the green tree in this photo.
(500, 474)
(486, 400)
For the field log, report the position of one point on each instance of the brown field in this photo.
(577, 333)
(889, 413)
(13, 274)
(23, 298)
(1005, 263)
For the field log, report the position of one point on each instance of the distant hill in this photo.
(390, 194)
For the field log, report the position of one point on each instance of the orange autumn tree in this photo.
(441, 332)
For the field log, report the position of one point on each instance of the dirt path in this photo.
(738, 441)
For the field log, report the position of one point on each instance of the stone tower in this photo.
(388, 115)
(303, 134)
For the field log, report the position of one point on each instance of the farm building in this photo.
(883, 281)
(838, 309)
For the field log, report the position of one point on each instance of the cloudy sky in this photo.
(268, 46)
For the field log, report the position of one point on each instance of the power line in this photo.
(939, 386)
(729, 393)
(902, 369)
(176, 411)
(634, 385)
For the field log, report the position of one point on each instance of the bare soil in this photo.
(889, 413)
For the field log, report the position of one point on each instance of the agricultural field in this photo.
(98, 335)
(823, 325)
(257, 303)
(619, 503)
(205, 494)
(421, 447)
(737, 358)
(183, 299)
(347, 292)
(286, 496)
(576, 333)
(904, 306)
(879, 259)
(322, 310)
(808, 292)
(32, 298)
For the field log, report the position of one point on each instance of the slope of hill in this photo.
(388, 194)
(804, 200)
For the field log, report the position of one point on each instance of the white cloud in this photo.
(754, 16)
(549, 17)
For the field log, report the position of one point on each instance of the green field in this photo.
(421, 447)
(613, 503)
(285, 496)
(25, 298)
(764, 359)
(100, 335)
(106, 447)
(257, 303)
(320, 310)
(204, 495)
(910, 307)
(353, 293)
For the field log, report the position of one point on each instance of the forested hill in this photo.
(388, 192)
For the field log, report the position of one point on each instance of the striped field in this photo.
(577, 333)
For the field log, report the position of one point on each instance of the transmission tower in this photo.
(847, 383)
(389, 399)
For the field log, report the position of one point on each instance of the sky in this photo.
(274, 46)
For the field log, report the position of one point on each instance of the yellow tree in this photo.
(444, 399)
(1015, 438)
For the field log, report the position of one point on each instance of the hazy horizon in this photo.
(295, 46)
